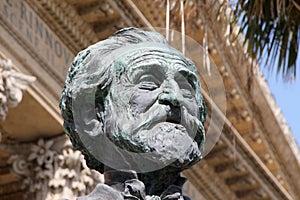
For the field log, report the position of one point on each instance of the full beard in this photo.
(158, 144)
(169, 144)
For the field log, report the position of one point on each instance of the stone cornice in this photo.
(63, 18)
(132, 15)
(237, 150)
(201, 175)
(254, 91)
(281, 122)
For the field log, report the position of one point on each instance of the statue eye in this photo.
(186, 89)
(147, 85)
(148, 82)
(185, 85)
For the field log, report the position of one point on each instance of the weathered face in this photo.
(152, 107)
(165, 85)
(134, 102)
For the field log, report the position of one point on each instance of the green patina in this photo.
(99, 100)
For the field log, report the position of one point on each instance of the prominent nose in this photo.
(171, 94)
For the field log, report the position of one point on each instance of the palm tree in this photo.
(271, 28)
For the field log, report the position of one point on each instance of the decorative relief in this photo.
(12, 85)
(64, 14)
(234, 93)
(255, 137)
(267, 158)
(223, 71)
(53, 170)
(246, 116)
(261, 194)
(107, 9)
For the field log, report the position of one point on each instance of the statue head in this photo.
(132, 101)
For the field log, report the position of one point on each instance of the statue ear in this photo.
(100, 96)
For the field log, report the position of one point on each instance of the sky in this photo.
(287, 96)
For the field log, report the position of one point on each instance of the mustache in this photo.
(159, 113)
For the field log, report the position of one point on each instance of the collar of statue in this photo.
(126, 185)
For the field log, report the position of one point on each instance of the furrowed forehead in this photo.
(157, 60)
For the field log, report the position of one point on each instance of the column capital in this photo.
(52, 169)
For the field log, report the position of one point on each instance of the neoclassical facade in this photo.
(255, 157)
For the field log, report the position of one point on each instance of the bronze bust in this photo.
(133, 106)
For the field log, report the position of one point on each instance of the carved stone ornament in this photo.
(12, 85)
(53, 170)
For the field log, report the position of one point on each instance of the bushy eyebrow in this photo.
(134, 73)
(191, 76)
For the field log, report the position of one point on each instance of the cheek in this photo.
(192, 107)
(141, 101)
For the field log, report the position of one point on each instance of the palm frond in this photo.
(271, 28)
